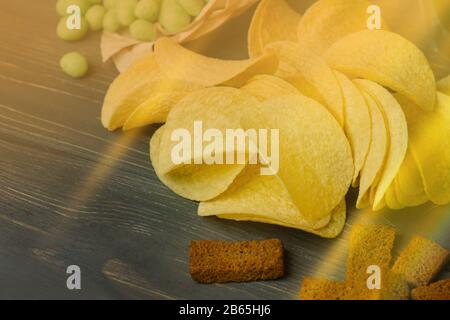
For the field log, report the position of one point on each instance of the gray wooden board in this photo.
(73, 193)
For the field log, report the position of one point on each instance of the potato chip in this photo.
(199, 183)
(327, 21)
(128, 91)
(391, 198)
(331, 230)
(388, 59)
(177, 62)
(423, 29)
(190, 175)
(374, 186)
(443, 85)
(218, 108)
(430, 145)
(264, 87)
(253, 197)
(273, 20)
(408, 200)
(398, 135)
(154, 110)
(309, 74)
(315, 160)
(259, 196)
(408, 183)
(377, 152)
(357, 122)
(164, 95)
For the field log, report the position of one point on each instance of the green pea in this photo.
(148, 10)
(142, 30)
(110, 22)
(125, 11)
(193, 7)
(173, 18)
(67, 34)
(74, 64)
(94, 17)
(109, 4)
(61, 6)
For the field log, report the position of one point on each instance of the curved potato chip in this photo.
(177, 62)
(161, 98)
(398, 136)
(388, 59)
(253, 197)
(264, 87)
(408, 200)
(218, 108)
(199, 183)
(391, 198)
(443, 85)
(330, 231)
(409, 185)
(273, 20)
(423, 29)
(258, 196)
(315, 161)
(357, 122)
(154, 110)
(128, 91)
(309, 74)
(430, 146)
(327, 21)
(377, 151)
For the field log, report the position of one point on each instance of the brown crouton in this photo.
(420, 261)
(436, 291)
(395, 287)
(322, 289)
(220, 261)
(370, 245)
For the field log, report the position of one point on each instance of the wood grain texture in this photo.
(73, 193)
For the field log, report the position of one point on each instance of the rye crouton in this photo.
(220, 261)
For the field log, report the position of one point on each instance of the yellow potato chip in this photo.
(397, 136)
(377, 151)
(443, 85)
(330, 231)
(407, 200)
(273, 20)
(177, 62)
(315, 160)
(423, 29)
(430, 145)
(198, 183)
(264, 87)
(327, 21)
(357, 122)
(154, 110)
(391, 198)
(408, 183)
(388, 59)
(128, 91)
(373, 187)
(310, 74)
(254, 197)
(218, 108)
(161, 98)
(185, 170)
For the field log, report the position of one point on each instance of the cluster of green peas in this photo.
(139, 16)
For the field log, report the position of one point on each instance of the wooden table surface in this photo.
(72, 193)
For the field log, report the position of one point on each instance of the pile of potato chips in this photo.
(353, 106)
